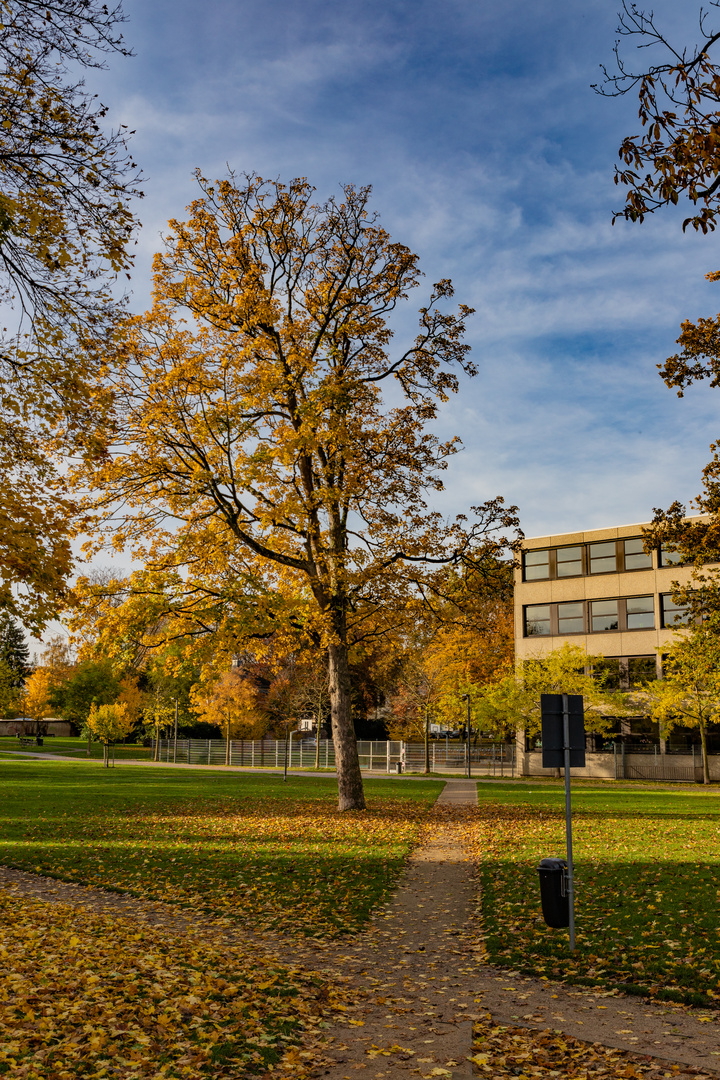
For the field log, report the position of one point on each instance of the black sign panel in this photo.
(553, 743)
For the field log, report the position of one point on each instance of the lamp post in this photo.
(466, 699)
(427, 739)
(175, 738)
(287, 735)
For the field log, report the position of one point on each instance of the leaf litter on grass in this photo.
(294, 867)
(88, 995)
(526, 1054)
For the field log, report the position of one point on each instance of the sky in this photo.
(490, 155)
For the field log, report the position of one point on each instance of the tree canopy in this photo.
(66, 186)
(678, 153)
(250, 439)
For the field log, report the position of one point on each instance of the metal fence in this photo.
(491, 759)
(633, 764)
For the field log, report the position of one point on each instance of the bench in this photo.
(34, 741)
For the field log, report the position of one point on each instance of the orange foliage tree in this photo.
(256, 430)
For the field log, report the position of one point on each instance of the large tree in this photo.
(677, 155)
(250, 424)
(66, 182)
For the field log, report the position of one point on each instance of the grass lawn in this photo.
(85, 995)
(647, 879)
(267, 854)
(76, 747)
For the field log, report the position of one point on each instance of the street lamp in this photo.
(175, 738)
(427, 739)
(466, 698)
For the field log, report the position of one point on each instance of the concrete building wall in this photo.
(655, 581)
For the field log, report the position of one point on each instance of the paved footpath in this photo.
(421, 979)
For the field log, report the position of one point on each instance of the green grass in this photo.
(267, 854)
(647, 879)
(76, 747)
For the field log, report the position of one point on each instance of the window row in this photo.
(601, 616)
(604, 557)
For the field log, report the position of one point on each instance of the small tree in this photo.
(109, 724)
(233, 705)
(37, 696)
(513, 703)
(689, 693)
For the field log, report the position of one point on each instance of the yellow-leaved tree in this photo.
(250, 425)
(108, 724)
(66, 182)
(233, 704)
(36, 696)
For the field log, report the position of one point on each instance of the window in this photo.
(602, 557)
(673, 614)
(635, 557)
(640, 612)
(641, 670)
(570, 618)
(604, 615)
(607, 672)
(537, 565)
(569, 561)
(669, 557)
(537, 620)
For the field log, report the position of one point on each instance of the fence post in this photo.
(622, 747)
(502, 758)
(433, 765)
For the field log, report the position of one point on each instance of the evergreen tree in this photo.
(13, 648)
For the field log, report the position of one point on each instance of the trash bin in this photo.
(399, 766)
(553, 894)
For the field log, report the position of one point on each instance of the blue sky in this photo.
(490, 155)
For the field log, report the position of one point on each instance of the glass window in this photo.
(537, 620)
(635, 557)
(604, 615)
(668, 557)
(607, 672)
(570, 618)
(640, 613)
(673, 614)
(537, 565)
(569, 561)
(602, 557)
(641, 670)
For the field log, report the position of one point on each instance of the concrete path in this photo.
(459, 793)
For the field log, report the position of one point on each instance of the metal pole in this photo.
(176, 723)
(568, 822)
(466, 699)
(427, 741)
(287, 730)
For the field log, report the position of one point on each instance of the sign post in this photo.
(563, 746)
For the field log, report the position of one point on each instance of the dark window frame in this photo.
(621, 601)
(620, 560)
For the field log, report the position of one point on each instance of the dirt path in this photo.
(421, 981)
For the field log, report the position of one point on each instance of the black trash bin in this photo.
(555, 907)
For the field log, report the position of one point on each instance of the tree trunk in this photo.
(705, 762)
(350, 786)
(317, 732)
(156, 750)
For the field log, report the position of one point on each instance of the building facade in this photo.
(602, 591)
